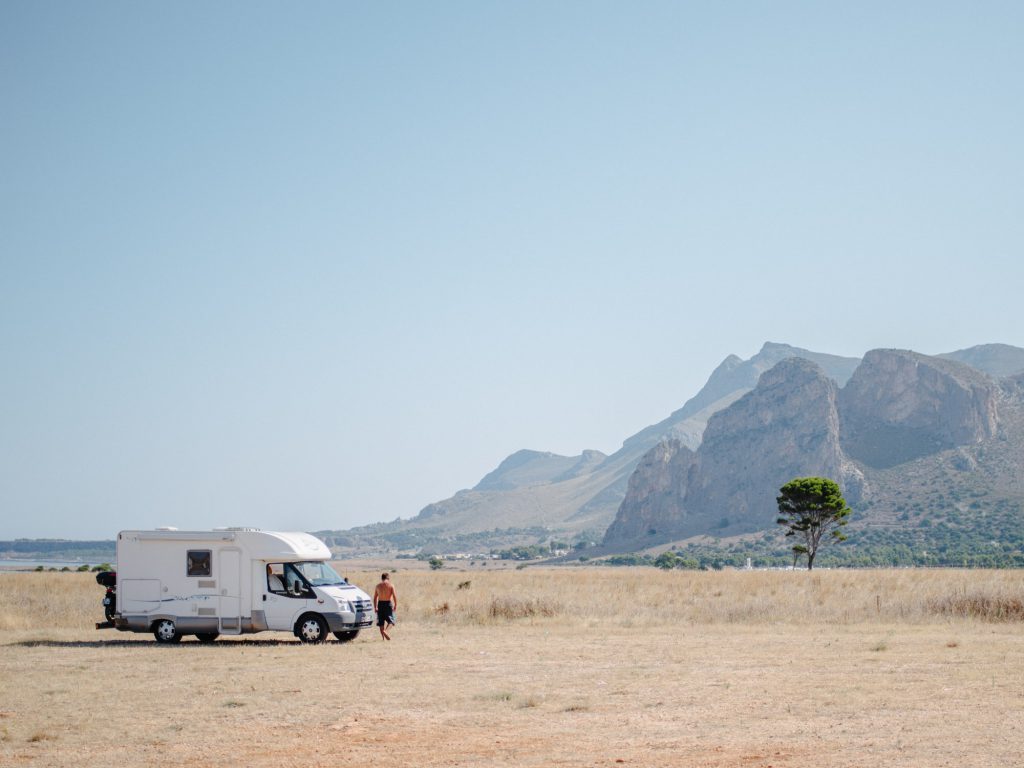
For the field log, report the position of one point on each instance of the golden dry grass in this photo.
(648, 597)
(569, 667)
(623, 596)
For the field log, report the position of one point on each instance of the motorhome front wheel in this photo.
(312, 629)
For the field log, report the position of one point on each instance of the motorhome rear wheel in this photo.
(165, 632)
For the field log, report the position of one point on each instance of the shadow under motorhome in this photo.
(233, 581)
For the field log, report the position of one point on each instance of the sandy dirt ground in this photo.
(558, 691)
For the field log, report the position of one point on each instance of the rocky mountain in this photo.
(730, 380)
(656, 492)
(526, 468)
(786, 426)
(713, 466)
(998, 360)
(574, 495)
(903, 421)
(902, 405)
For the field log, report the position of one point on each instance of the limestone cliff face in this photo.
(656, 492)
(897, 407)
(901, 405)
(1014, 385)
(786, 427)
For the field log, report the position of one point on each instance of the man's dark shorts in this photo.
(385, 612)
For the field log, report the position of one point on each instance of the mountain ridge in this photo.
(542, 482)
(903, 422)
(536, 493)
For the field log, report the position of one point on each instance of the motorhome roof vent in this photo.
(167, 528)
(236, 528)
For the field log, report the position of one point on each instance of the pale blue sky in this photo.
(312, 266)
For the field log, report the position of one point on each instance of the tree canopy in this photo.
(667, 560)
(814, 510)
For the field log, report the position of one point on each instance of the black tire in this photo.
(165, 632)
(110, 606)
(311, 629)
(207, 637)
(347, 637)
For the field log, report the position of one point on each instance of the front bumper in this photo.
(348, 622)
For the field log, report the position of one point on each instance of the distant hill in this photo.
(999, 360)
(526, 468)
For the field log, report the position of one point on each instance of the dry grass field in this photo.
(560, 667)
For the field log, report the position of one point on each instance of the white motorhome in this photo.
(233, 581)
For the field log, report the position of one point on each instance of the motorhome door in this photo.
(230, 592)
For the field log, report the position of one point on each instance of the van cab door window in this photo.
(294, 584)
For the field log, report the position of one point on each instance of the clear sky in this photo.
(310, 266)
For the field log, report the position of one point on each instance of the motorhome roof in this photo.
(261, 545)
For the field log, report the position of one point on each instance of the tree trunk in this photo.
(810, 560)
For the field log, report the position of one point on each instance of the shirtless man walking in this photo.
(385, 601)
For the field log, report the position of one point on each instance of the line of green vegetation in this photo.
(84, 568)
(871, 549)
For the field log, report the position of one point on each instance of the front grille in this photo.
(362, 606)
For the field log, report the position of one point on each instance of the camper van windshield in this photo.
(318, 574)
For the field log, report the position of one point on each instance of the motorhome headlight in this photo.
(345, 605)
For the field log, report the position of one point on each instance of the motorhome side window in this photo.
(275, 577)
(199, 562)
